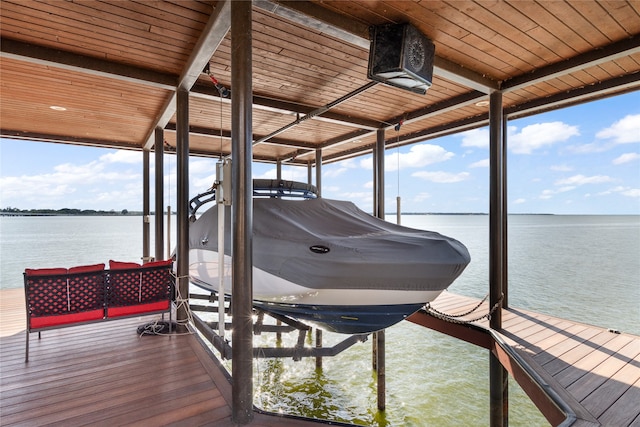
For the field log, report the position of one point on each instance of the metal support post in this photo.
(242, 213)
(381, 370)
(378, 174)
(318, 345)
(159, 205)
(505, 257)
(497, 215)
(319, 171)
(146, 236)
(182, 234)
(497, 242)
(379, 203)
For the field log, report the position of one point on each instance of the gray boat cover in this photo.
(330, 244)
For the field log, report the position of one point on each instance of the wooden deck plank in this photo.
(105, 374)
(624, 411)
(595, 371)
(609, 383)
(558, 349)
(553, 339)
(591, 360)
(571, 357)
(531, 333)
(616, 368)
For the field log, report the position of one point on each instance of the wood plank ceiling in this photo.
(114, 67)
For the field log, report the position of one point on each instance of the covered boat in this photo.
(329, 263)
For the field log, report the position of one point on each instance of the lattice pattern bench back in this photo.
(132, 289)
(58, 296)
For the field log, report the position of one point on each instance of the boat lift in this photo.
(208, 306)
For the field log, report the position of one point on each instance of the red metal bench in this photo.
(60, 297)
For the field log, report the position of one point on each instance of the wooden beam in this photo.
(12, 49)
(623, 48)
(214, 32)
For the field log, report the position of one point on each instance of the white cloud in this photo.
(476, 138)
(547, 194)
(349, 163)
(480, 164)
(590, 148)
(625, 158)
(519, 201)
(331, 191)
(539, 135)
(568, 184)
(421, 197)
(200, 166)
(419, 155)
(526, 140)
(334, 172)
(561, 168)
(582, 180)
(366, 196)
(122, 156)
(441, 177)
(624, 131)
(267, 174)
(202, 184)
(625, 191)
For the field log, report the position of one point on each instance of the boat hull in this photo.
(344, 319)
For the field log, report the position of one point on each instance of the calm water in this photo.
(585, 268)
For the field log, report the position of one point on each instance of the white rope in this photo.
(155, 328)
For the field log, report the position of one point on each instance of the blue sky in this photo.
(578, 160)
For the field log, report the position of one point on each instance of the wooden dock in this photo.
(105, 374)
(576, 374)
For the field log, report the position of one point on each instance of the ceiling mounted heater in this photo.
(401, 56)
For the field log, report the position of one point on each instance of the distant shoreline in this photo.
(49, 212)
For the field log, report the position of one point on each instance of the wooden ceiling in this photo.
(114, 66)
